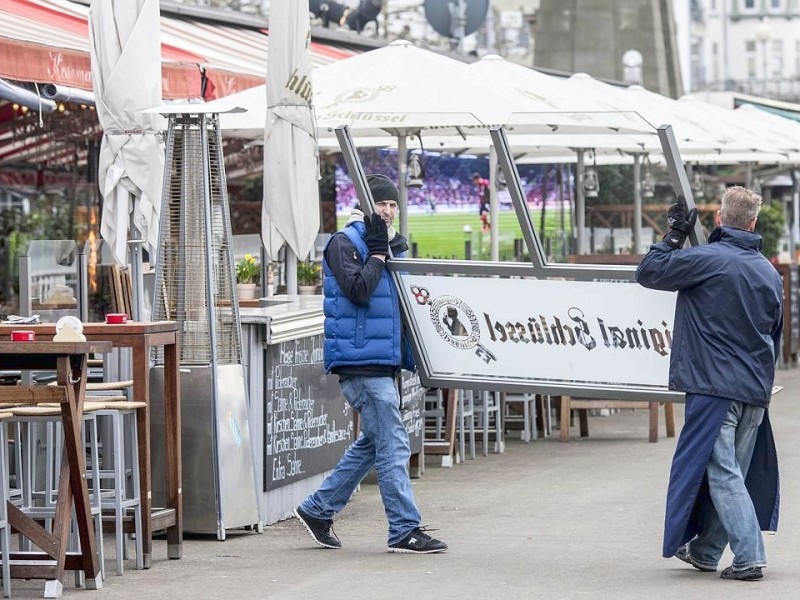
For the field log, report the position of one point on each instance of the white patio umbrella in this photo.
(401, 90)
(125, 52)
(291, 193)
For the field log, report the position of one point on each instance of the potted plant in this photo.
(248, 272)
(307, 277)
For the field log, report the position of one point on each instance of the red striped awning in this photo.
(47, 41)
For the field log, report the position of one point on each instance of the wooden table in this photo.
(141, 337)
(68, 359)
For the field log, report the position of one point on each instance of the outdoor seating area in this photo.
(484, 420)
(106, 467)
(234, 249)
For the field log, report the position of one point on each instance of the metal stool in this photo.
(528, 419)
(465, 412)
(122, 497)
(487, 406)
(5, 534)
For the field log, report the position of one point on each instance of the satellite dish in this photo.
(456, 18)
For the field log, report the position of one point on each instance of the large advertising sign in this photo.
(539, 335)
(571, 329)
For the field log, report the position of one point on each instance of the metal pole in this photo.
(402, 176)
(83, 283)
(211, 282)
(680, 180)
(137, 283)
(291, 272)
(637, 203)
(795, 211)
(25, 292)
(494, 212)
(748, 175)
(580, 204)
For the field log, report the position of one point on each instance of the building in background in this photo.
(593, 36)
(747, 46)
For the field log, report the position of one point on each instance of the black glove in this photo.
(377, 235)
(680, 222)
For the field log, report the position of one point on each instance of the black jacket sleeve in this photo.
(356, 279)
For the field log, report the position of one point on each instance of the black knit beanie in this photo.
(382, 188)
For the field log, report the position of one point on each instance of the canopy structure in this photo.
(401, 90)
(47, 41)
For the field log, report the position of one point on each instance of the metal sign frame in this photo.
(538, 268)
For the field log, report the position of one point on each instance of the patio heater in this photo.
(195, 286)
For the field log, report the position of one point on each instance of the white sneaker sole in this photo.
(407, 551)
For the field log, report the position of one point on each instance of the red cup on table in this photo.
(22, 336)
(116, 318)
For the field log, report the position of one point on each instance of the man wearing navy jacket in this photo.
(366, 347)
(723, 487)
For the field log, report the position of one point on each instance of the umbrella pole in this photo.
(291, 272)
(580, 205)
(137, 284)
(637, 202)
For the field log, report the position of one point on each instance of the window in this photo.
(750, 58)
(775, 5)
(748, 5)
(797, 58)
(715, 61)
(776, 64)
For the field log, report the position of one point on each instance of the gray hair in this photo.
(739, 207)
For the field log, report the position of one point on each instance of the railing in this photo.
(787, 90)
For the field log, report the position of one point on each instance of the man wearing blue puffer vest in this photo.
(365, 346)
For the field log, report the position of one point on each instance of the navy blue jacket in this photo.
(688, 487)
(361, 306)
(728, 316)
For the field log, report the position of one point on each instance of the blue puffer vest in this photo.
(362, 335)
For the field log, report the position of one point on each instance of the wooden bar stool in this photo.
(38, 499)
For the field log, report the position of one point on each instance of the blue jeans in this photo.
(731, 519)
(383, 444)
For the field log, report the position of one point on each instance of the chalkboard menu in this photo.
(412, 396)
(307, 422)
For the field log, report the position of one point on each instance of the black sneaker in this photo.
(320, 530)
(418, 542)
(749, 574)
(683, 554)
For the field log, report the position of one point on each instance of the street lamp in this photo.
(763, 35)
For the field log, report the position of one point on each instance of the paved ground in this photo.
(544, 520)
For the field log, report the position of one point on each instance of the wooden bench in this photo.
(582, 405)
